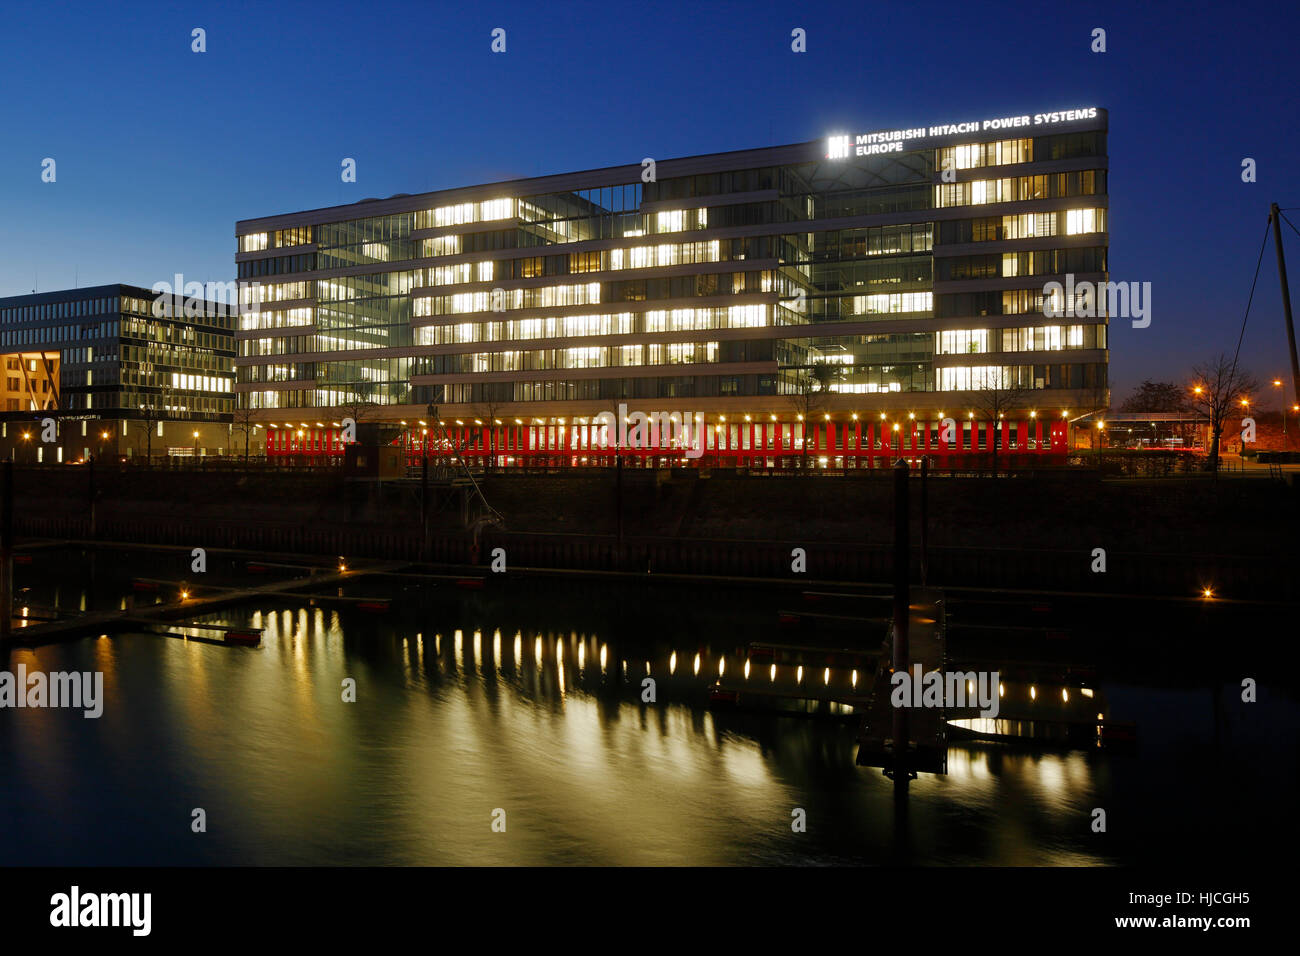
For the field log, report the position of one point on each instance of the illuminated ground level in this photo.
(850, 443)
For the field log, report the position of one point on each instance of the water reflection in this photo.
(448, 725)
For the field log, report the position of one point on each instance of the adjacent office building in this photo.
(109, 365)
(895, 275)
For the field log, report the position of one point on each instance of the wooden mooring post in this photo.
(900, 656)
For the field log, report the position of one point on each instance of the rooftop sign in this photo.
(901, 140)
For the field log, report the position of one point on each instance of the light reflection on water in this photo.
(452, 722)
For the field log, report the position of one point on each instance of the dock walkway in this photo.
(106, 622)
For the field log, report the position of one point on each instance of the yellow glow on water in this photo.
(537, 649)
(478, 646)
(672, 663)
(1086, 691)
(746, 670)
(773, 672)
(798, 675)
(458, 640)
(496, 646)
(826, 677)
(855, 679)
(697, 664)
(1065, 695)
(1033, 693)
(582, 654)
(519, 645)
(722, 666)
(604, 656)
(1002, 689)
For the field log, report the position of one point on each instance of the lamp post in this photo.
(1241, 441)
(1277, 383)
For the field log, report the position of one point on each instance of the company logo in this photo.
(899, 140)
(837, 147)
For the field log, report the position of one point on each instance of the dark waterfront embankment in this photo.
(1170, 536)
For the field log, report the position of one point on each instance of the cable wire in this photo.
(1258, 263)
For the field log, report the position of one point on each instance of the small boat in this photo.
(247, 638)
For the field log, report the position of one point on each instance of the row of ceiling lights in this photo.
(583, 421)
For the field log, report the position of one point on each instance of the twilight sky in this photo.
(160, 150)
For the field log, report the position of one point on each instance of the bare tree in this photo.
(1096, 400)
(1161, 397)
(245, 423)
(1219, 386)
(998, 398)
(813, 386)
(151, 413)
(358, 403)
(1156, 397)
(487, 412)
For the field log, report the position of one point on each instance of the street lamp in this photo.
(1277, 383)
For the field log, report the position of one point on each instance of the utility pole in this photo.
(1276, 217)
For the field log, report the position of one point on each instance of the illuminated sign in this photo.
(900, 140)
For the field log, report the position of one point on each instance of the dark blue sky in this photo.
(160, 150)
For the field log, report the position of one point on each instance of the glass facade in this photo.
(735, 280)
(110, 354)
